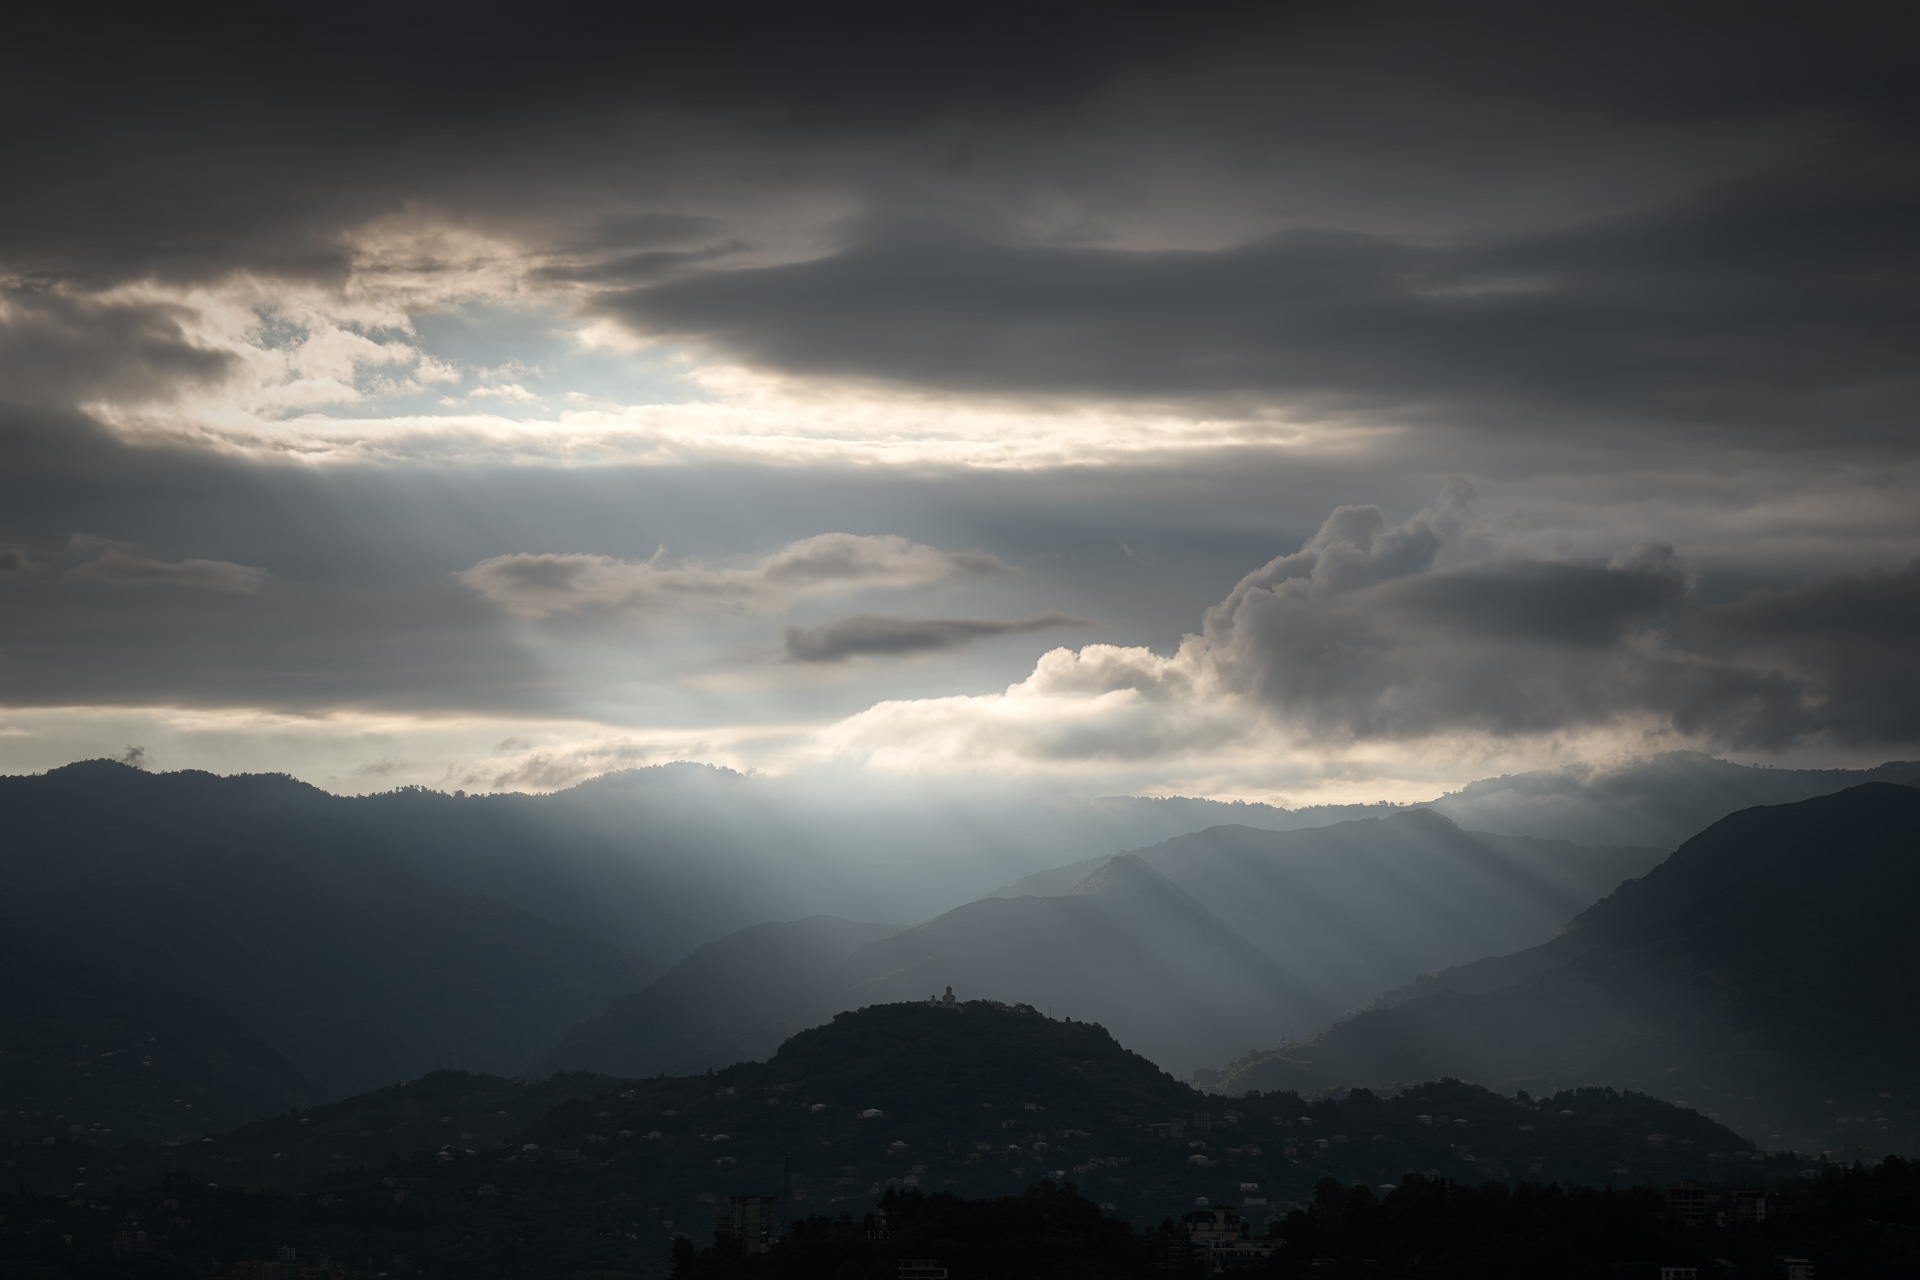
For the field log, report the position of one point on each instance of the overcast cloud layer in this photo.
(411, 396)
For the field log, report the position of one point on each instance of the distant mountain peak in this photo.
(1125, 870)
(107, 773)
(1422, 819)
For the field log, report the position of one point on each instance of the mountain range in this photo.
(1653, 801)
(253, 943)
(1762, 972)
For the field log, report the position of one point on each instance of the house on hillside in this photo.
(1688, 1203)
(1217, 1240)
(749, 1223)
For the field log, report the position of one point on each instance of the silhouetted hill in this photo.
(256, 897)
(730, 1000)
(1757, 972)
(1126, 948)
(357, 974)
(1356, 907)
(83, 1050)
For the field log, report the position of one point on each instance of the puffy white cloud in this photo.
(539, 585)
(1441, 632)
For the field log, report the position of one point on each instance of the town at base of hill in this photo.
(1847, 1223)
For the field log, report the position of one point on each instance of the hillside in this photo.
(977, 1100)
(357, 975)
(1127, 948)
(1357, 907)
(1752, 973)
(251, 896)
(82, 1049)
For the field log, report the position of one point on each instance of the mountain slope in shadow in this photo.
(120, 1060)
(260, 899)
(1358, 907)
(1765, 969)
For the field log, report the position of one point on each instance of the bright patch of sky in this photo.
(520, 363)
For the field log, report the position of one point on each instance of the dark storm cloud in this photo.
(1769, 305)
(1538, 278)
(58, 349)
(193, 140)
(1572, 605)
(1444, 625)
(1584, 226)
(1367, 632)
(1381, 631)
(1851, 639)
(868, 634)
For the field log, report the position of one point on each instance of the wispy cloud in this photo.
(540, 585)
(869, 634)
(115, 565)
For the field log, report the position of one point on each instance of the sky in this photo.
(1292, 402)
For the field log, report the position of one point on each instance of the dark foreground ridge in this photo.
(457, 1174)
(1854, 1222)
